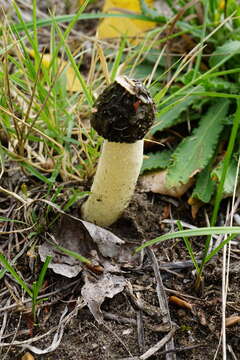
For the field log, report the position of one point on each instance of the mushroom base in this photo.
(114, 183)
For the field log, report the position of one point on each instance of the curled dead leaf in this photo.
(94, 291)
(195, 204)
(106, 252)
(80, 237)
(156, 183)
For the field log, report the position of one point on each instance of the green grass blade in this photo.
(220, 188)
(68, 18)
(71, 253)
(226, 163)
(217, 94)
(214, 230)
(26, 30)
(219, 247)
(2, 218)
(118, 58)
(199, 56)
(41, 276)
(84, 86)
(13, 272)
(37, 285)
(189, 247)
(34, 172)
(35, 35)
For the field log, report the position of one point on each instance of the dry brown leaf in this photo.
(95, 290)
(106, 252)
(115, 27)
(27, 356)
(84, 238)
(232, 320)
(156, 183)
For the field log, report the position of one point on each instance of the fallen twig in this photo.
(176, 350)
(140, 328)
(163, 304)
(155, 348)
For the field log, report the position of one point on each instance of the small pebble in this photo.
(127, 332)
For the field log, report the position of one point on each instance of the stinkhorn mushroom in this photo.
(122, 115)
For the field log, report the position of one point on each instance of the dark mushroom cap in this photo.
(124, 111)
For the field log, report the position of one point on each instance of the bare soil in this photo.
(197, 330)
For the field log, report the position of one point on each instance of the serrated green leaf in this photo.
(220, 84)
(195, 151)
(230, 179)
(224, 52)
(166, 119)
(159, 160)
(188, 77)
(204, 187)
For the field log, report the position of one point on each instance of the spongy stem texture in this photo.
(114, 182)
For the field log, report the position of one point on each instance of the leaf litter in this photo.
(104, 251)
(106, 292)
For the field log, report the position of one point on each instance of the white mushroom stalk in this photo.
(122, 114)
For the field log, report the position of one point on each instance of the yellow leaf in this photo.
(73, 83)
(115, 27)
(27, 356)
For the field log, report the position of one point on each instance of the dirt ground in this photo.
(133, 322)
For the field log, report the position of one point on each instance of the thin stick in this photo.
(163, 303)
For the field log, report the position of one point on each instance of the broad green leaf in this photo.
(230, 179)
(142, 72)
(171, 117)
(159, 160)
(219, 84)
(225, 52)
(195, 151)
(204, 187)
